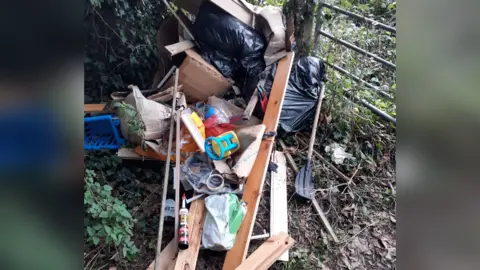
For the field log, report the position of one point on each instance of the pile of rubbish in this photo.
(205, 109)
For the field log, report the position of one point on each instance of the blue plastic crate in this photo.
(101, 132)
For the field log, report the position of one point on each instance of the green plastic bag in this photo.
(225, 214)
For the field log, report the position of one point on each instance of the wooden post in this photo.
(254, 185)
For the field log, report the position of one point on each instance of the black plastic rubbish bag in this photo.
(233, 47)
(301, 96)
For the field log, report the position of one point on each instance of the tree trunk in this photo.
(318, 27)
(302, 12)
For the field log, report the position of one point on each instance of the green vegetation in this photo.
(107, 219)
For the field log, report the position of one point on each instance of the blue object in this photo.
(101, 132)
(210, 111)
(222, 149)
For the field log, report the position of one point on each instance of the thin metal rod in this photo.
(167, 171)
(359, 50)
(178, 140)
(383, 93)
(372, 108)
(360, 17)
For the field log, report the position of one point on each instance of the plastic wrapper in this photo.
(225, 214)
(200, 174)
(233, 47)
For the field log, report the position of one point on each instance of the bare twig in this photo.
(334, 169)
(92, 261)
(366, 227)
(115, 32)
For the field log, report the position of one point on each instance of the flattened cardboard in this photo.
(200, 80)
(251, 136)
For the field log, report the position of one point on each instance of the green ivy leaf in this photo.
(123, 36)
(348, 83)
(95, 240)
(90, 231)
(345, 4)
(103, 214)
(363, 7)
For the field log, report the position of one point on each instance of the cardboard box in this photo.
(200, 80)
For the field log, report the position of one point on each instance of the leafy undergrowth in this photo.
(137, 185)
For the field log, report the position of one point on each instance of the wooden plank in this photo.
(187, 259)
(251, 105)
(166, 257)
(324, 219)
(254, 185)
(267, 253)
(89, 108)
(278, 200)
(179, 47)
(129, 153)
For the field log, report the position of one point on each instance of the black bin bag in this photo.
(233, 47)
(302, 93)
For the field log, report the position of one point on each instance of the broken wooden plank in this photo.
(187, 259)
(278, 199)
(90, 108)
(251, 105)
(179, 47)
(267, 253)
(166, 257)
(256, 179)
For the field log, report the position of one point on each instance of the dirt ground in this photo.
(362, 215)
